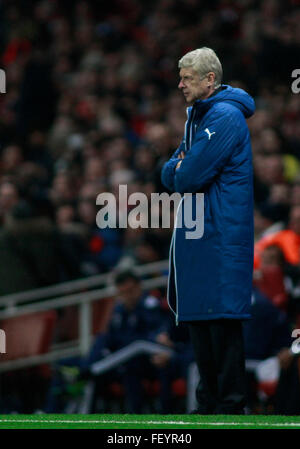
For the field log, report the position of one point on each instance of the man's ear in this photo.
(211, 78)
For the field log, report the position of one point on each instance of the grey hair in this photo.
(203, 60)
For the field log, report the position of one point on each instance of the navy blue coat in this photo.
(211, 277)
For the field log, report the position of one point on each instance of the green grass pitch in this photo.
(110, 421)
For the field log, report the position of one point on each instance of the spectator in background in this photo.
(266, 221)
(11, 159)
(29, 251)
(136, 316)
(288, 243)
(9, 197)
(73, 240)
(104, 247)
(287, 239)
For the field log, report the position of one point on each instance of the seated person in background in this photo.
(137, 316)
(287, 239)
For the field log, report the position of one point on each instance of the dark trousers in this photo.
(219, 354)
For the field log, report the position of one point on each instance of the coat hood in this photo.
(235, 96)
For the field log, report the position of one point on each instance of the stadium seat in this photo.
(28, 335)
(67, 328)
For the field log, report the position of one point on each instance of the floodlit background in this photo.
(92, 102)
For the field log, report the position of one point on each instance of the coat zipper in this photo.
(173, 245)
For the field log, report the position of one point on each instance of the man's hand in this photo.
(161, 360)
(181, 156)
(164, 339)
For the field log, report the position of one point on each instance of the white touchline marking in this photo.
(52, 421)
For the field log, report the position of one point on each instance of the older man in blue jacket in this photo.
(210, 277)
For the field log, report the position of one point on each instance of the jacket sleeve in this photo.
(209, 153)
(168, 170)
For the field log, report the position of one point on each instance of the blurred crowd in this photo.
(92, 103)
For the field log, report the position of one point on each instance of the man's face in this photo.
(192, 87)
(130, 292)
(8, 196)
